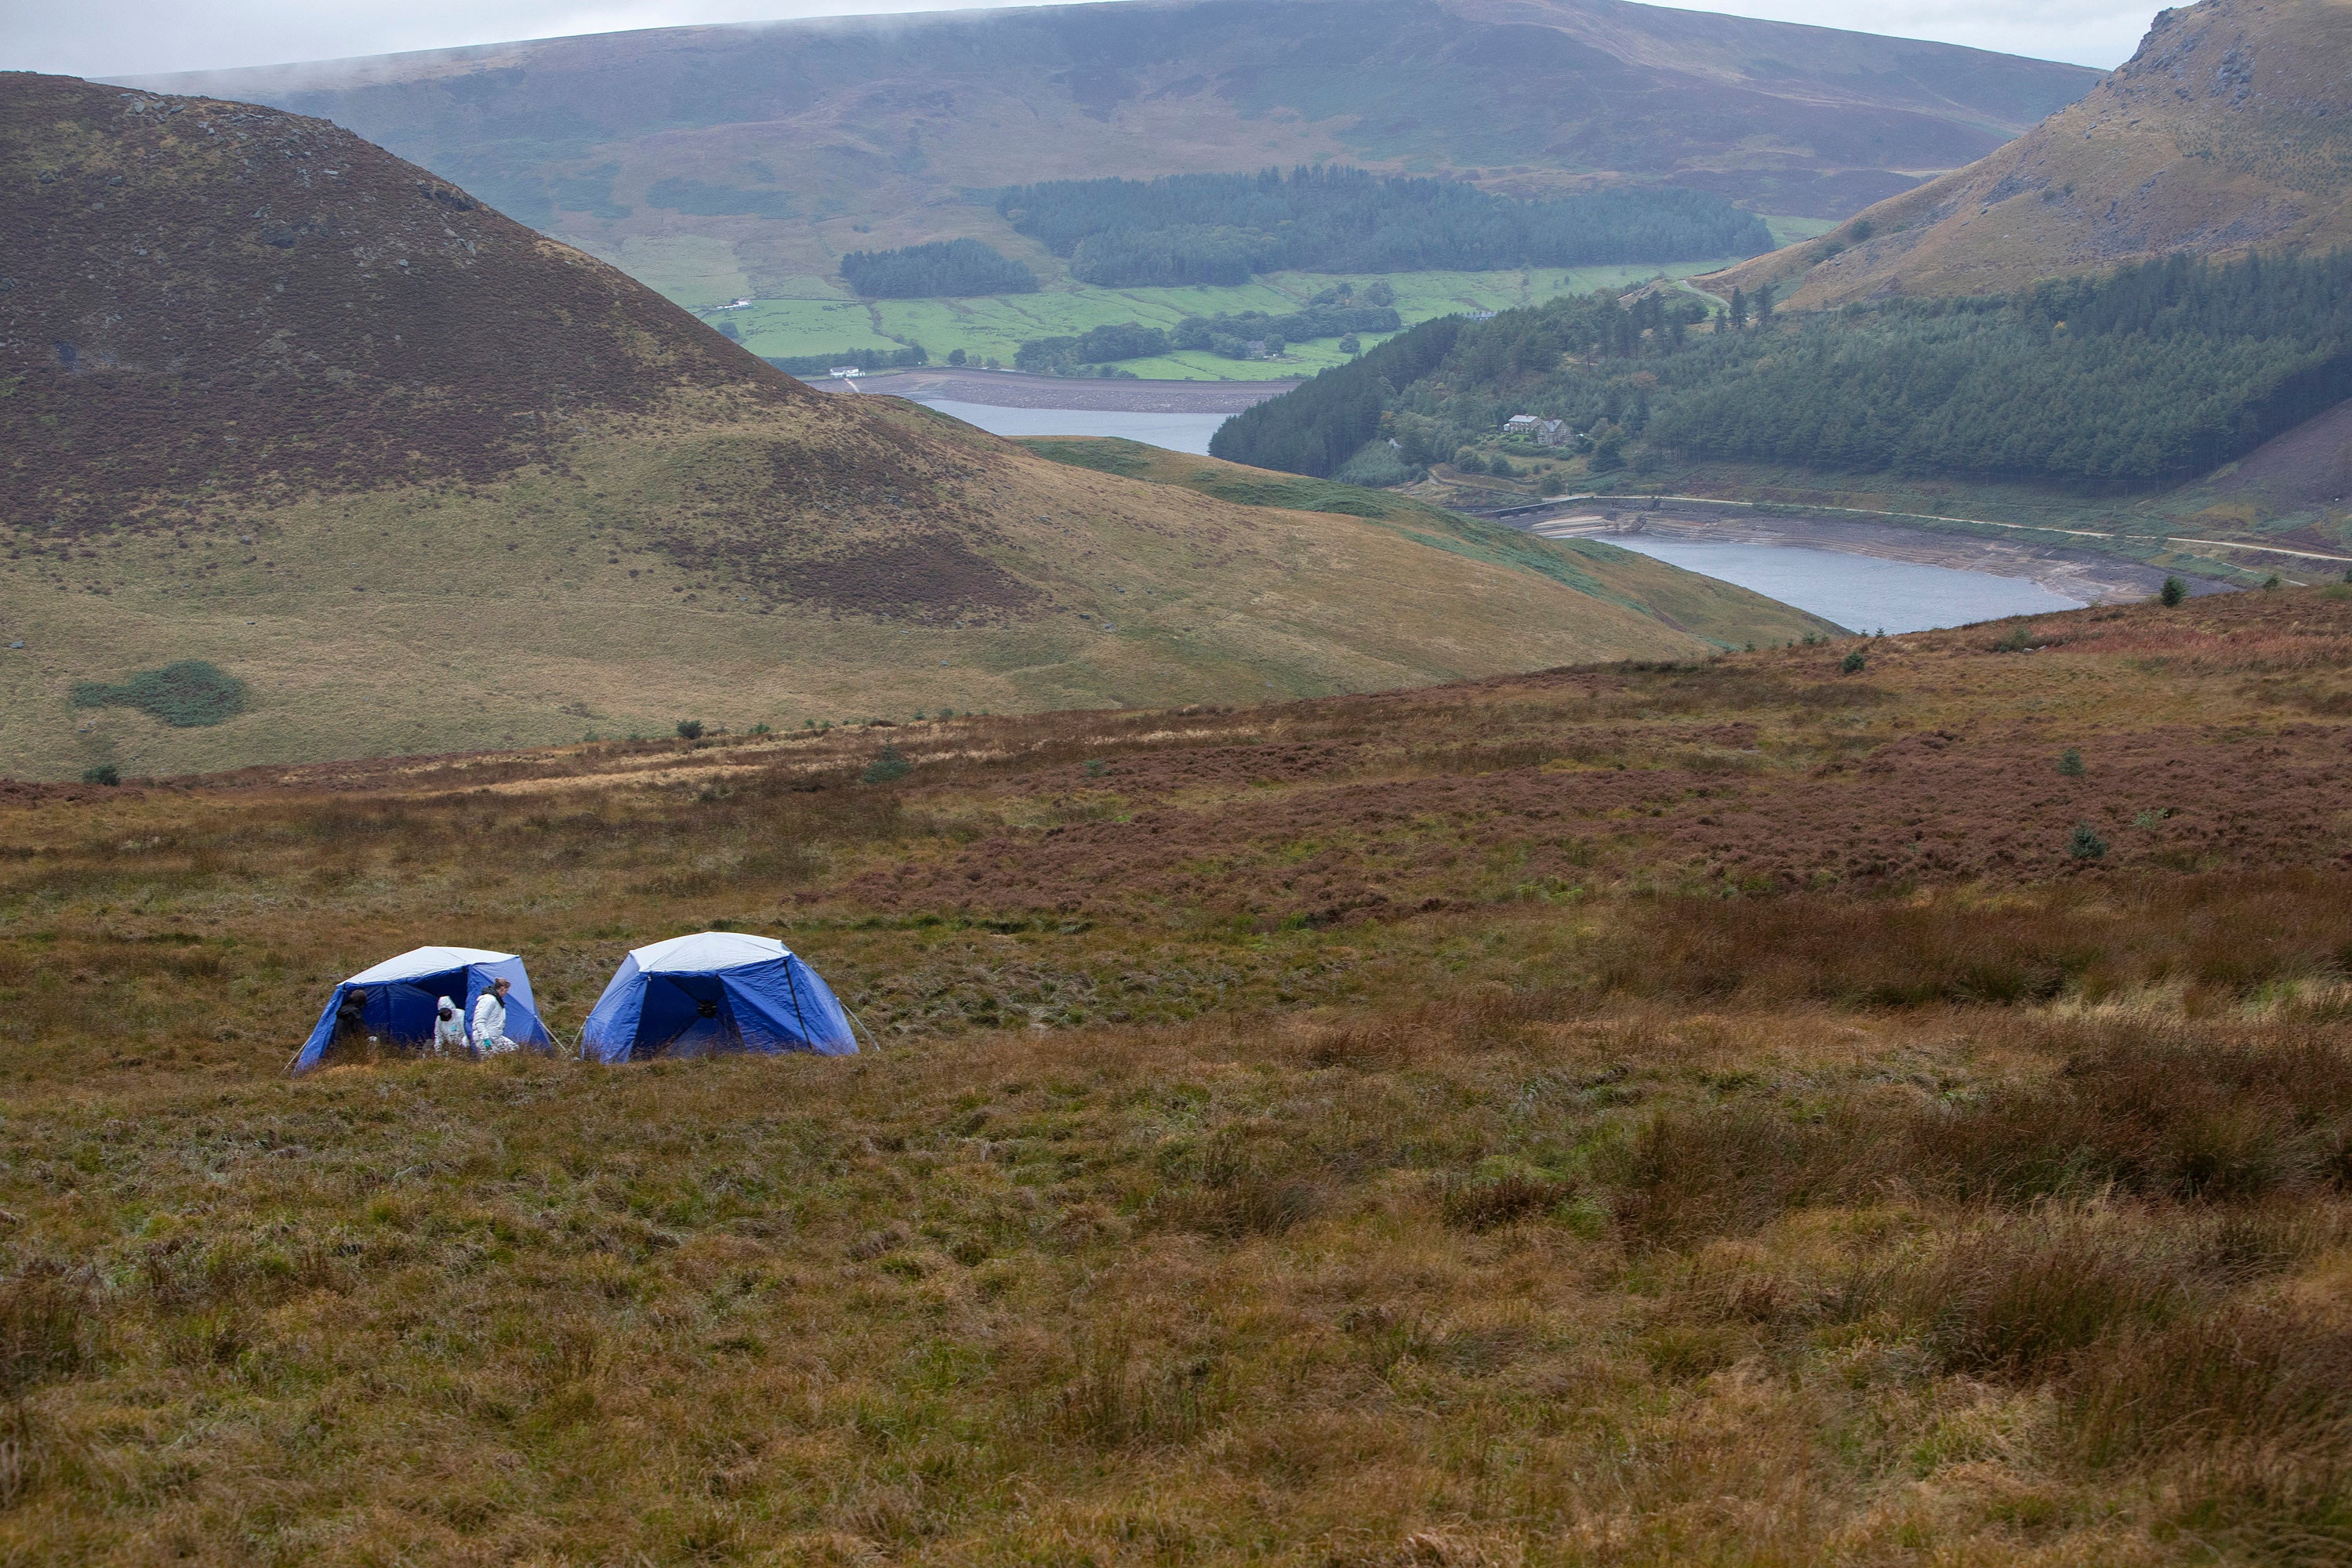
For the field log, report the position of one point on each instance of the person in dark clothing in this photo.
(350, 1019)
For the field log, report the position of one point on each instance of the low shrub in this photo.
(2020, 1296)
(44, 1328)
(188, 694)
(1484, 1204)
(2250, 1373)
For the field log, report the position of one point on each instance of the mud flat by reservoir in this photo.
(1952, 578)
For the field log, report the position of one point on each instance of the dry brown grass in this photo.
(1997, 1219)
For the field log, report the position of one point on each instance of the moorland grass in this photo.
(1602, 1212)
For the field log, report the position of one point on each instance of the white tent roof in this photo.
(426, 961)
(707, 950)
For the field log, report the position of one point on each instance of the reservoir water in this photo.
(1861, 593)
(1176, 432)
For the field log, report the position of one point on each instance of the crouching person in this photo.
(490, 1021)
(449, 1030)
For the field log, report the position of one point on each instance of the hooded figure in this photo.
(448, 1028)
(490, 1021)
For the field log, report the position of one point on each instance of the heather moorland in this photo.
(1872, 1100)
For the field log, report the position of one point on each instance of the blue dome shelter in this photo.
(402, 992)
(715, 990)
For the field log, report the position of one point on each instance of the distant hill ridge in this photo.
(2229, 130)
(789, 144)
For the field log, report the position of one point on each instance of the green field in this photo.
(1790, 230)
(826, 319)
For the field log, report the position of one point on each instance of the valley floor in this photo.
(1751, 1111)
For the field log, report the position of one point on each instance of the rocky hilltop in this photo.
(2230, 131)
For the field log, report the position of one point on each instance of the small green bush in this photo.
(104, 774)
(689, 729)
(2017, 640)
(2084, 843)
(891, 764)
(2070, 762)
(2174, 591)
(1852, 664)
(186, 695)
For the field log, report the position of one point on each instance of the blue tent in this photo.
(401, 993)
(715, 990)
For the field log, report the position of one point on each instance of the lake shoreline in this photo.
(2087, 576)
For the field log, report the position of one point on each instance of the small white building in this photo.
(845, 371)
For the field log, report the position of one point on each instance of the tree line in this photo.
(2146, 376)
(1230, 335)
(952, 268)
(1183, 229)
(864, 358)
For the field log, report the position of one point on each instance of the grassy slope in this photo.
(1307, 1134)
(1716, 611)
(429, 618)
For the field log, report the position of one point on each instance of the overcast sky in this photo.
(124, 38)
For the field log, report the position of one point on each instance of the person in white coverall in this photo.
(490, 1020)
(448, 1028)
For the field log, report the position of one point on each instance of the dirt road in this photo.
(1011, 389)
